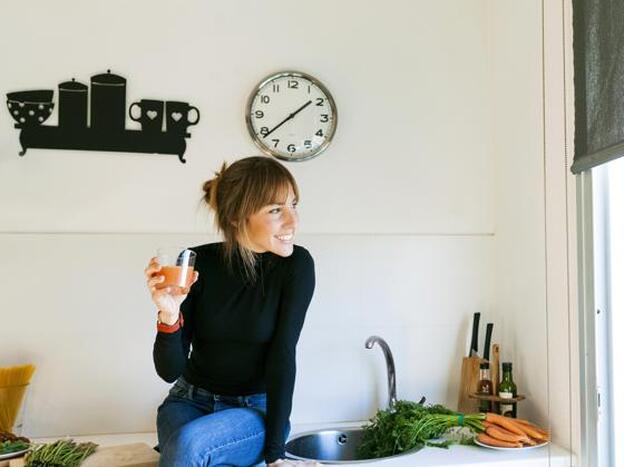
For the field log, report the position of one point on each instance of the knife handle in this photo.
(474, 343)
(488, 339)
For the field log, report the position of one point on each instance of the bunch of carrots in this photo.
(508, 432)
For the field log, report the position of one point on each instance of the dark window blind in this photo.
(598, 82)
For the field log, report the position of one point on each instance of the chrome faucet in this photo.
(392, 398)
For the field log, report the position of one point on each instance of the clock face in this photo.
(291, 116)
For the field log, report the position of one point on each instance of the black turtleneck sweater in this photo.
(242, 336)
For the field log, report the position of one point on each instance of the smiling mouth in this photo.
(285, 238)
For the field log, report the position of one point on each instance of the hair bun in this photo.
(210, 187)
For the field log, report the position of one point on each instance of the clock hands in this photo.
(290, 117)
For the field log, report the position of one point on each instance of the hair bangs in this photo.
(273, 188)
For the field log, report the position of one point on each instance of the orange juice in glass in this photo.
(177, 265)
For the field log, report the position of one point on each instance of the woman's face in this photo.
(273, 227)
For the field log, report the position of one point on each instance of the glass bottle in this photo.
(484, 388)
(507, 390)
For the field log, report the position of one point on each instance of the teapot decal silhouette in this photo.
(164, 124)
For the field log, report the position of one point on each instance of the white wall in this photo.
(409, 78)
(520, 243)
(426, 208)
(535, 242)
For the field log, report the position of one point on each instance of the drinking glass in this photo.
(178, 264)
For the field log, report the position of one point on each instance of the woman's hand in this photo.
(166, 299)
(293, 463)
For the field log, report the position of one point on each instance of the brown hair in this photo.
(240, 190)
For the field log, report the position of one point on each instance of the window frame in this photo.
(595, 388)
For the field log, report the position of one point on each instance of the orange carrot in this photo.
(504, 435)
(485, 439)
(533, 433)
(505, 422)
(531, 425)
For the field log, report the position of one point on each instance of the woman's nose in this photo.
(291, 218)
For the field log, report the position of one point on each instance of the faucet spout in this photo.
(370, 342)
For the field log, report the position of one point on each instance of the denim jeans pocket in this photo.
(180, 389)
(256, 401)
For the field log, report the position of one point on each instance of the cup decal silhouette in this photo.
(151, 115)
(178, 114)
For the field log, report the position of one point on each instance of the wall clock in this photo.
(291, 116)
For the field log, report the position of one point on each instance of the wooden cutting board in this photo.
(15, 462)
(469, 383)
(18, 462)
(125, 455)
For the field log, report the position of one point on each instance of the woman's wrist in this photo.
(168, 319)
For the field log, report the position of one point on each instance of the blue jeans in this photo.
(197, 428)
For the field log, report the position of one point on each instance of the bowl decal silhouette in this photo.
(30, 108)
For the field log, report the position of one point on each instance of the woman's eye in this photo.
(277, 210)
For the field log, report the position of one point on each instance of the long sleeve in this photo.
(280, 364)
(171, 351)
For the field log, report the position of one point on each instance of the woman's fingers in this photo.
(151, 283)
(152, 276)
(152, 263)
(152, 267)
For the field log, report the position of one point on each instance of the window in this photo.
(602, 320)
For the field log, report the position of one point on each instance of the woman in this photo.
(241, 319)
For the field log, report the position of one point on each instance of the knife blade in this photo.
(488, 339)
(474, 343)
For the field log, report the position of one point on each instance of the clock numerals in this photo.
(291, 116)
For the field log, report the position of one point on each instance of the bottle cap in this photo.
(506, 366)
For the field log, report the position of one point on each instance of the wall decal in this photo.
(164, 124)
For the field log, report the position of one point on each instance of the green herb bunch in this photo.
(410, 425)
(7, 447)
(61, 453)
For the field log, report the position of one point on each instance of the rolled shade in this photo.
(598, 82)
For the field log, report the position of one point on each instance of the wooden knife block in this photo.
(469, 385)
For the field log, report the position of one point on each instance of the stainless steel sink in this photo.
(330, 446)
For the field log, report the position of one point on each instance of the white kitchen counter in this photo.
(464, 456)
